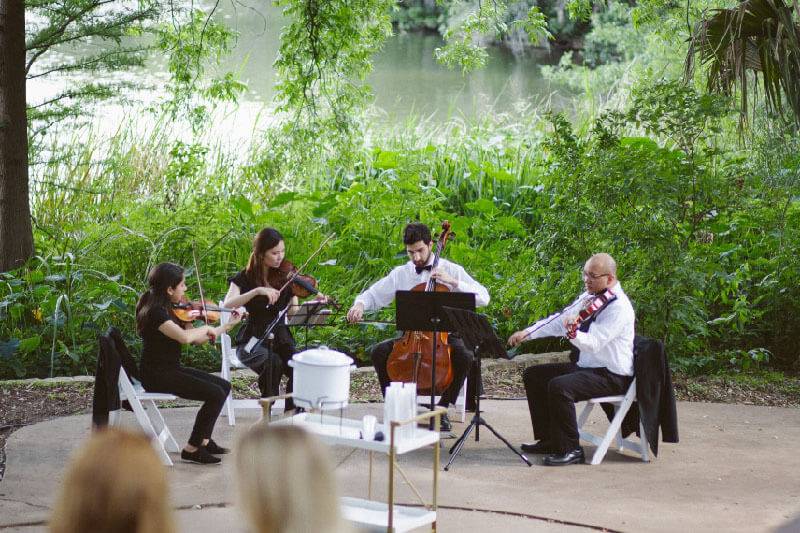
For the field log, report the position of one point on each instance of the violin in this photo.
(207, 311)
(411, 359)
(301, 285)
(592, 305)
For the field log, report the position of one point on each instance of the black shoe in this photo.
(200, 456)
(569, 458)
(542, 446)
(215, 449)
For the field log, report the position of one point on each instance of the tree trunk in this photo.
(16, 234)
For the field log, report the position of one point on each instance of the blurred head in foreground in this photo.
(114, 483)
(285, 481)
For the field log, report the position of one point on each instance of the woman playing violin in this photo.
(266, 287)
(162, 334)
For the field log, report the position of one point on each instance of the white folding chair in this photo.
(153, 424)
(460, 405)
(230, 361)
(621, 406)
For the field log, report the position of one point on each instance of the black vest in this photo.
(574, 352)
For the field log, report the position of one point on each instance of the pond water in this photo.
(406, 80)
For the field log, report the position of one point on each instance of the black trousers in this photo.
(191, 384)
(271, 362)
(552, 391)
(461, 360)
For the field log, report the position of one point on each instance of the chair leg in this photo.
(150, 431)
(461, 403)
(644, 444)
(584, 416)
(602, 448)
(230, 410)
(612, 431)
(618, 436)
(144, 420)
(164, 434)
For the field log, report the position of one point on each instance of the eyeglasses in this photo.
(592, 276)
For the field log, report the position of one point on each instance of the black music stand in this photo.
(422, 311)
(308, 315)
(478, 334)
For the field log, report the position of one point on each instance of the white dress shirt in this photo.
(609, 341)
(405, 277)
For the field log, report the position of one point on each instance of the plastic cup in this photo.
(368, 427)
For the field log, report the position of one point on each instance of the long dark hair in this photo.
(257, 273)
(161, 277)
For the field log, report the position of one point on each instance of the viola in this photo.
(592, 305)
(208, 312)
(411, 359)
(301, 285)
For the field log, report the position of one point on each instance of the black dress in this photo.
(161, 371)
(271, 359)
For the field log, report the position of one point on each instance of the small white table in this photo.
(347, 432)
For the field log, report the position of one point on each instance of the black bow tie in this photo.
(426, 267)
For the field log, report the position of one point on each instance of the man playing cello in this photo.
(419, 245)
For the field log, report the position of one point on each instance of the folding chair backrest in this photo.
(126, 388)
(230, 360)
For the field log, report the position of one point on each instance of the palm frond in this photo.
(758, 39)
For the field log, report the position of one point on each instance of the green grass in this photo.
(520, 192)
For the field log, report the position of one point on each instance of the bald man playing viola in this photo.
(603, 343)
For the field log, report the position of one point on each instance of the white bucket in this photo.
(321, 378)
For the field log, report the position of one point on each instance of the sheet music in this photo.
(309, 313)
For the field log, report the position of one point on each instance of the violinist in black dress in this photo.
(258, 289)
(162, 336)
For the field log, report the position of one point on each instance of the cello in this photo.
(412, 355)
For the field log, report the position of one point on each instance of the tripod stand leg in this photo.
(460, 444)
(463, 436)
(510, 447)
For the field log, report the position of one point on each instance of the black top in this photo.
(261, 314)
(159, 351)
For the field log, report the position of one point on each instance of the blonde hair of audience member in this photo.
(285, 481)
(115, 483)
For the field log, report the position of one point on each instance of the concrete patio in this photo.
(735, 469)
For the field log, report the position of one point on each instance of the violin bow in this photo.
(199, 285)
(556, 315)
(310, 257)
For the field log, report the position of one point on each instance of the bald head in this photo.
(604, 263)
(599, 273)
